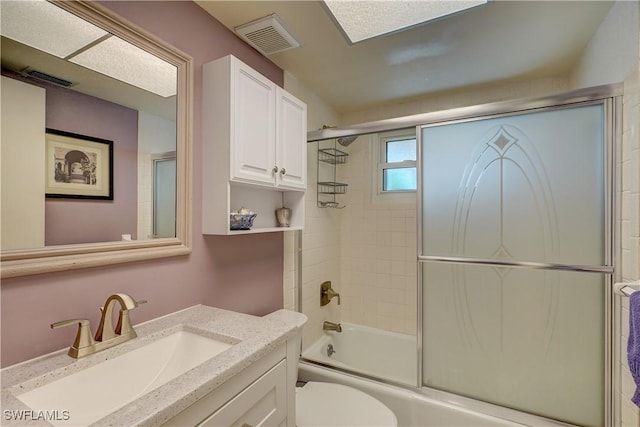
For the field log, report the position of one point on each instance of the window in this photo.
(397, 165)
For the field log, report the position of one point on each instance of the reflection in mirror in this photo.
(78, 69)
(132, 92)
(164, 200)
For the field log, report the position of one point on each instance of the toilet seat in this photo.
(327, 404)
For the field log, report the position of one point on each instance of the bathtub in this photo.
(369, 351)
(391, 357)
(413, 409)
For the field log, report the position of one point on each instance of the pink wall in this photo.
(74, 220)
(242, 273)
(83, 220)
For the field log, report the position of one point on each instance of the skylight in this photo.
(364, 19)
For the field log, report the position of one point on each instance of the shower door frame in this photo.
(611, 100)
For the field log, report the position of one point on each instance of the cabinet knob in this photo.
(283, 171)
(275, 169)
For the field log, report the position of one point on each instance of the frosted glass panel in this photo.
(525, 187)
(399, 179)
(531, 340)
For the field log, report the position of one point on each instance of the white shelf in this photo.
(263, 230)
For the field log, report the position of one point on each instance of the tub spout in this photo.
(330, 326)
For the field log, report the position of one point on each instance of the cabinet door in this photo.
(291, 137)
(263, 403)
(253, 126)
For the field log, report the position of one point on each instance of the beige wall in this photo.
(460, 98)
(23, 161)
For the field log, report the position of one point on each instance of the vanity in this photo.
(206, 367)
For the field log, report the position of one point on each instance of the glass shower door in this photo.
(514, 260)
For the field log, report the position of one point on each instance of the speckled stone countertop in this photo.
(255, 337)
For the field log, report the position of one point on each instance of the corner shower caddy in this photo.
(327, 190)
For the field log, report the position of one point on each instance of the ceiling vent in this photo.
(268, 35)
(39, 75)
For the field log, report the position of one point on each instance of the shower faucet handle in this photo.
(327, 293)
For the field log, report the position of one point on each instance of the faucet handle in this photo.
(124, 326)
(83, 340)
(327, 293)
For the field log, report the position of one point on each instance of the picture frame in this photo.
(78, 166)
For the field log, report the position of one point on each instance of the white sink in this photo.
(99, 390)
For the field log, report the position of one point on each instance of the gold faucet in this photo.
(106, 336)
(326, 293)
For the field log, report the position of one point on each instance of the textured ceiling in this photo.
(503, 40)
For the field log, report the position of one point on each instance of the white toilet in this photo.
(320, 404)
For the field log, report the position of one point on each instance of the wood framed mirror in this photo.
(164, 115)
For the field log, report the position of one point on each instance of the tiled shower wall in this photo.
(320, 257)
(629, 222)
(378, 248)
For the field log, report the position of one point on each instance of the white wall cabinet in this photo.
(291, 140)
(254, 154)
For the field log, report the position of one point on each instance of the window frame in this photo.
(383, 165)
(377, 157)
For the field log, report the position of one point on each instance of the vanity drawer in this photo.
(263, 403)
(242, 393)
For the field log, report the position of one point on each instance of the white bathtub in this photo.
(365, 350)
(392, 356)
(412, 409)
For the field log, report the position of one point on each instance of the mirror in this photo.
(55, 151)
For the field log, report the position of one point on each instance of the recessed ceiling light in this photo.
(365, 19)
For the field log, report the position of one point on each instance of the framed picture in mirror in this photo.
(78, 166)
